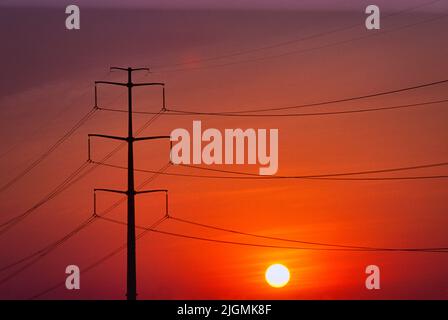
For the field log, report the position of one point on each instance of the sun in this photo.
(277, 275)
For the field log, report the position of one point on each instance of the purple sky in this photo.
(433, 5)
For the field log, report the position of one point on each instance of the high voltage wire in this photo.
(42, 157)
(384, 178)
(238, 243)
(83, 90)
(203, 225)
(60, 188)
(98, 262)
(327, 176)
(40, 254)
(57, 243)
(34, 258)
(66, 183)
(34, 132)
(289, 42)
(161, 171)
(43, 252)
(273, 178)
(230, 114)
(48, 152)
(348, 99)
(131, 193)
(157, 223)
(151, 228)
(304, 50)
(269, 246)
(174, 112)
(73, 178)
(336, 176)
(47, 249)
(242, 113)
(184, 235)
(429, 250)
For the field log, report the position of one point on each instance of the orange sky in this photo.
(50, 72)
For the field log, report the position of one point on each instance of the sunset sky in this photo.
(241, 56)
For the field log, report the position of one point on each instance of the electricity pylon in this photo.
(130, 192)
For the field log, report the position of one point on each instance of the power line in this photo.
(301, 241)
(325, 175)
(50, 248)
(47, 249)
(42, 157)
(83, 92)
(289, 42)
(59, 189)
(34, 132)
(385, 178)
(152, 229)
(241, 113)
(271, 246)
(329, 102)
(99, 261)
(266, 246)
(305, 50)
(157, 223)
(343, 112)
(40, 254)
(131, 193)
(328, 176)
(174, 112)
(59, 142)
(180, 235)
(70, 180)
(284, 177)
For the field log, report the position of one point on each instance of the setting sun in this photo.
(277, 275)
